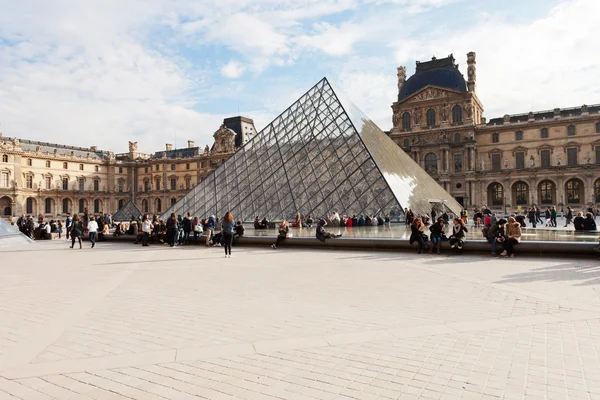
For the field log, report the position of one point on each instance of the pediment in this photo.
(431, 92)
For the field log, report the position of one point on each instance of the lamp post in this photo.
(504, 204)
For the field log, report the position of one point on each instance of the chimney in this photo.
(94, 148)
(191, 144)
(169, 147)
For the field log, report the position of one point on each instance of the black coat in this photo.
(589, 224)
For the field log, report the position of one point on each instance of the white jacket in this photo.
(92, 226)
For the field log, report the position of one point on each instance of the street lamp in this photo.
(504, 204)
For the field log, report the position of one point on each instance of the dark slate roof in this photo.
(129, 212)
(183, 153)
(61, 150)
(438, 72)
(546, 115)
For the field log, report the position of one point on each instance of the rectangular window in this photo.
(157, 185)
(597, 154)
(544, 133)
(545, 156)
(81, 185)
(458, 163)
(120, 186)
(81, 167)
(29, 182)
(203, 164)
(173, 184)
(495, 162)
(519, 160)
(146, 186)
(157, 167)
(4, 179)
(519, 135)
(96, 185)
(120, 170)
(48, 183)
(572, 156)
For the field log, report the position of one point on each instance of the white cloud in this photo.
(232, 70)
(332, 40)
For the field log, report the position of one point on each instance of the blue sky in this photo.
(105, 72)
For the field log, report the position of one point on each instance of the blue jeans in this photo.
(494, 244)
(436, 239)
(93, 238)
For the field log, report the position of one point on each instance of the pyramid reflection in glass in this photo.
(319, 156)
(129, 212)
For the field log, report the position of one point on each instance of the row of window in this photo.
(573, 193)
(157, 205)
(172, 186)
(173, 167)
(571, 131)
(65, 164)
(431, 117)
(67, 207)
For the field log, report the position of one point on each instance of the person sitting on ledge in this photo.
(309, 221)
(588, 223)
(578, 222)
(239, 229)
(322, 234)
(284, 233)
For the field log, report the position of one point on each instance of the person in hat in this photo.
(495, 234)
(322, 234)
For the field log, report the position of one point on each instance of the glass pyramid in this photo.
(129, 212)
(319, 156)
(10, 234)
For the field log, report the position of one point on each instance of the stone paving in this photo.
(126, 322)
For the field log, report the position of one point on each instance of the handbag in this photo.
(425, 237)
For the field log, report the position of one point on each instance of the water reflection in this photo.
(403, 232)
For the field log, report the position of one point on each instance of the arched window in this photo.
(121, 203)
(571, 130)
(145, 205)
(574, 191)
(431, 163)
(81, 206)
(48, 206)
(495, 137)
(496, 194)
(158, 205)
(173, 201)
(406, 120)
(4, 158)
(597, 190)
(544, 133)
(29, 205)
(457, 114)
(97, 206)
(521, 193)
(431, 117)
(66, 206)
(546, 192)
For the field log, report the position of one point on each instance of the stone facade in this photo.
(544, 158)
(39, 178)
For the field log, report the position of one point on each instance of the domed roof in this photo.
(443, 73)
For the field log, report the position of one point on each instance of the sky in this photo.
(105, 72)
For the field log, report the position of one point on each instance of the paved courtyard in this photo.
(126, 322)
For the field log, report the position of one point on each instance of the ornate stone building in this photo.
(543, 158)
(39, 178)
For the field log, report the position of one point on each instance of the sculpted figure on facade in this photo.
(482, 164)
(395, 119)
(133, 147)
(531, 162)
(558, 159)
(401, 77)
(469, 110)
(417, 116)
(207, 149)
(505, 163)
(445, 112)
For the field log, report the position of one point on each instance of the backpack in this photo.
(485, 231)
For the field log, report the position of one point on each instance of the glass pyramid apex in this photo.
(129, 212)
(320, 155)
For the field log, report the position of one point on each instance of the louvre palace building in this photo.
(544, 158)
(38, 178)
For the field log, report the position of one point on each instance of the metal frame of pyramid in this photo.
(320, 155)
(10, 234)
(125, 213)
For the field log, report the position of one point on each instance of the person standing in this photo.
(172, 229)
(531, 216)
(187, 228)
(59, 228)
(298, 220)
(553, 214)
(76, 231)
(228, 225)
(146, 230)
(68, 223)
(92, 230)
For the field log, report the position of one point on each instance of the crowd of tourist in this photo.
(427, 231)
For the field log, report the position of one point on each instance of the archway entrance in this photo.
(6, 206)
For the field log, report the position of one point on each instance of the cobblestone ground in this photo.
(125, 322)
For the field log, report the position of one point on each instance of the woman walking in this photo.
(513, 237)
(76, 230)
(172, 230)
(228, 225)
(417, 235)
(284, 230)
